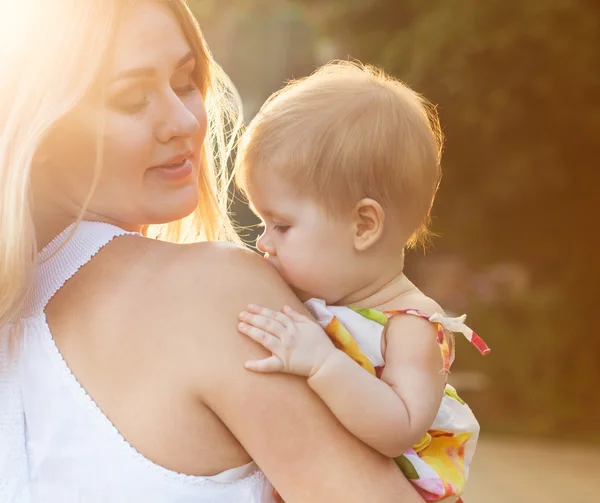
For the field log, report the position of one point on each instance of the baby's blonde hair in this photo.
(349, 132)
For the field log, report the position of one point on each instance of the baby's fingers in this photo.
(265, 339)
(267, 323)
(270, 364)
(295, 315)
(253, 309)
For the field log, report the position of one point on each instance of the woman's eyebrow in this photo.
(149, 71)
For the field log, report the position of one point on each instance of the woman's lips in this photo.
(174, 172)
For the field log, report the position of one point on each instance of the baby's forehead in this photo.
(268, 202)
(276, 213)
(270, 184)
(271, 198)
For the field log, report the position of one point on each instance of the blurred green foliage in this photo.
(518, 90)
(518, 87)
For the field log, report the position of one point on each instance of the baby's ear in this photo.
(369, 218)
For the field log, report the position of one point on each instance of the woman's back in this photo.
(124, 402)
(137, 357)
(98, 349)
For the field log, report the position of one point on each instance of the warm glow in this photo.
(13, 16)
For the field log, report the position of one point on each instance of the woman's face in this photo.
(155, 124)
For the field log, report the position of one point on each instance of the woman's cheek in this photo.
(131, 151)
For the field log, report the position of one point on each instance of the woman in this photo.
(126, 377)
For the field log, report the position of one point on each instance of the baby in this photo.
(342, 168)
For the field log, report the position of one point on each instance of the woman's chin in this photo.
(171, 211)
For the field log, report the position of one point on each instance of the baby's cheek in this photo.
(296, 270)
(314, 279)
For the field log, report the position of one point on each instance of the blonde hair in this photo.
(51, 53)
(349, 132)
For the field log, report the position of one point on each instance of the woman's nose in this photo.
(179, 121)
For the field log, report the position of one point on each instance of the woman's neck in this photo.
(49, 224)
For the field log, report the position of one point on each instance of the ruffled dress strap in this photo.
(445, 325)
(438, 464)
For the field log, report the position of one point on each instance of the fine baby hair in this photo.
(347, 132)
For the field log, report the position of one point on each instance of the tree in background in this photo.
(518, 88)
(517, 85)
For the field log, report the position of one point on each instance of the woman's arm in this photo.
(303, 450)
(390, 414)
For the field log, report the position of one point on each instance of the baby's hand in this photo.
(299, 345)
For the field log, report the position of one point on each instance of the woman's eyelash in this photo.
(136, 107)
(139, 106)
(187, 89)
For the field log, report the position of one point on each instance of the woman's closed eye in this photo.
(132, 101)
(183, 83)
(188, 88)
(135, 99)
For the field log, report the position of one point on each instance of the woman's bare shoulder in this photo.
(202, 284)
(211, 257)
(190, 296)
(199, 291)
(224, 257)
(216, 268)
(191, 268)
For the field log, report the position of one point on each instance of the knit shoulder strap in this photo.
(65, 255)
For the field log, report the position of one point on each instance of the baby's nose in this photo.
(265, 246)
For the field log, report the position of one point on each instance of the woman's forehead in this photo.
(149, 36)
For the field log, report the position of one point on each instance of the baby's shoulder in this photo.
(408, 318)
(416, 301)
(409, 337)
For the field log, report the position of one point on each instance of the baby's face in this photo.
(312, 250)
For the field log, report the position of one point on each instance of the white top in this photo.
(56, 445)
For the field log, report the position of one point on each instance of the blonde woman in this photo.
(122, 370)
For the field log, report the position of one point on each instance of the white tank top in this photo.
(60, 447)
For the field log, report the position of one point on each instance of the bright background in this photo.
(518, 89)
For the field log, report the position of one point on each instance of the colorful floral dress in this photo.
(438, 465)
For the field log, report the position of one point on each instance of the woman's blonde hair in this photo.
(349, 132)
(51, 53)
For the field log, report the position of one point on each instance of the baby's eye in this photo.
(282, 229)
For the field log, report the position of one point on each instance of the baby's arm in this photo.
(390, 414)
